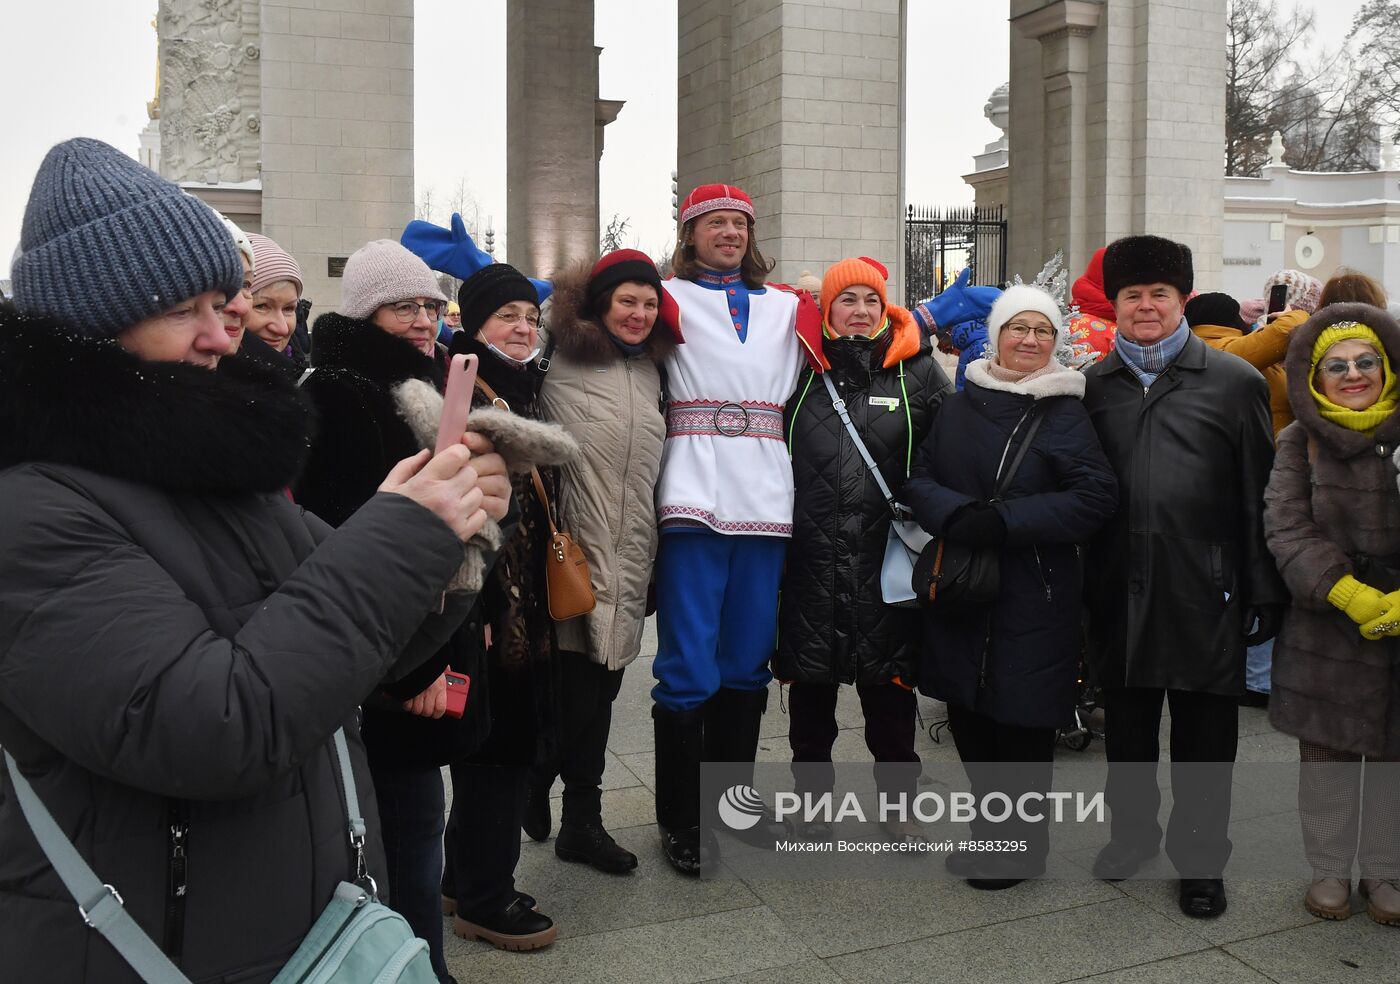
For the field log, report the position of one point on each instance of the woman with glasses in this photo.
(1332, 520)
(368, 358)
(1008, 671)
(501, 325)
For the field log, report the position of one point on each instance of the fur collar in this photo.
(1063, 382)
(583, 339)
(1339, 441)
(71, 401)
(363, 347)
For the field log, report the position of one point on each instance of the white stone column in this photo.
(1117, 127)
(801, 105)
(337, 131)
(552, 127)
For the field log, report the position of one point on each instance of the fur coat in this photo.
(1336, 514)
(380, 402)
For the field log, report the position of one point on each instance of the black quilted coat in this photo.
(833, 625)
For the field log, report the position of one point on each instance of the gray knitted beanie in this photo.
(383, 272)
(107, 243)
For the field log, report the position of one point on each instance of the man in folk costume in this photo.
(724, 502)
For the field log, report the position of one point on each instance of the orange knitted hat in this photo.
(860, 270)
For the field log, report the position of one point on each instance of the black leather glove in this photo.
(976, 522)
(1269, 618)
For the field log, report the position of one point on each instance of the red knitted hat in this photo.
(633, 266)
(710, 197)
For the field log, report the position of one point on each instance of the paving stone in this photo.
(811, 972)
(847, 916)
(1055, 946)
(583, 901)
(700, 948)
(1356, 951)
(1206, 967)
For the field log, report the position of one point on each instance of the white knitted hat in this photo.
(383, 272)
(1018, 298)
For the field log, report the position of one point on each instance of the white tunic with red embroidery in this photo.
(725, 464)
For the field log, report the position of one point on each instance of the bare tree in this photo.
(1260, 54)
(612, 235)
(1331, 110)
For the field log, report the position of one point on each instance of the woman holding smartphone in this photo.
(377, 370)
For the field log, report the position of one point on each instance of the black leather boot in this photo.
(536, 821)
(732, 722)
(679, 741)
(593, 845)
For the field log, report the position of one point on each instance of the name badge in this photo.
(890, 403)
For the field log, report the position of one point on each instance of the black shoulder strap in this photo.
(542, 363)
(1005, 481)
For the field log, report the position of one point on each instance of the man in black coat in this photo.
(1182, 578)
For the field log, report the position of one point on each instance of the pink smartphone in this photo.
(457, 403)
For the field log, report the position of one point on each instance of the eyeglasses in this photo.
(407, 311)
(1338, 368)
(1018, 331)
(512, 318)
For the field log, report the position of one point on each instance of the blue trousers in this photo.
(716, 614)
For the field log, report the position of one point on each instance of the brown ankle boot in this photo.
(1382, 897)
(1329, 898)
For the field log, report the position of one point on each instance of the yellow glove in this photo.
(1361, 602)
(1388, 622)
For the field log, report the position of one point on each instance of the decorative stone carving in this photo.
(1276, 151)
(998, 107)
(209, 90)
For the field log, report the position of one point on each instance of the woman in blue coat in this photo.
(1008, 671)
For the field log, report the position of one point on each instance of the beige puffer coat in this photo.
(611, 405)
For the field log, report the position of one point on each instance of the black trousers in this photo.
(889, 712)
(1013, 760)
(588, 690)
(482, 843)
(1204, 739)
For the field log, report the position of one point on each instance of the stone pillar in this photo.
(553, 134)
(337, 131)
(1117, 125)
(801, 106)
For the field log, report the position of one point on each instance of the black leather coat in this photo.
(1175, 575)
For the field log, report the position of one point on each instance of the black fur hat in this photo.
(1146, 260)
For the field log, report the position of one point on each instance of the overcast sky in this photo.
(87, 67)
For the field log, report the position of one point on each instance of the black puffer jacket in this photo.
(178, 642)
(363, 434)
(1016, 662)
(833, 625)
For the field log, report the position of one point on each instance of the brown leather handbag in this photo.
(568, 582)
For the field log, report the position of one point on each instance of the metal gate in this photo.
(939, 243)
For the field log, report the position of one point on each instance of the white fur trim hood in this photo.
(1064, 381)
(523, 443)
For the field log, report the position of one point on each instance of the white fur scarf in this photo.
(523, 443)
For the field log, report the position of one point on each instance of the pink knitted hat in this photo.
(272, 263)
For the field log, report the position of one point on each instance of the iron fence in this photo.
(940, 242)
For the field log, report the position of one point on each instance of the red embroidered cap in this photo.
(710, 197)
